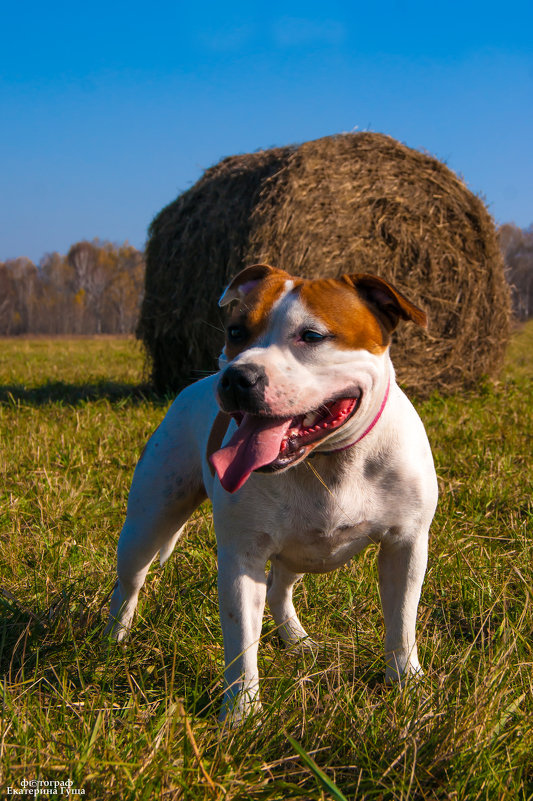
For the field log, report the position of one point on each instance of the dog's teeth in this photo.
(310, 419)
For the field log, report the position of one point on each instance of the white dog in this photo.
(309, 452)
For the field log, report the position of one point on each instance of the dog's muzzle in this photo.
(242, 389)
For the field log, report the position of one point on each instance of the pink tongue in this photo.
(256, 443)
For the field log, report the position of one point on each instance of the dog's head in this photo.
(301, 364)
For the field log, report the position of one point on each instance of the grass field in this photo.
(139, 722)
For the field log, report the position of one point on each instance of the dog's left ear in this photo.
(389, 303)
(246, 280)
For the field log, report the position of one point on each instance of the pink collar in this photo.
(366, 431)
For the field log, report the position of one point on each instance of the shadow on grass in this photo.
(60, 392)
(23, 630)
(65, 645)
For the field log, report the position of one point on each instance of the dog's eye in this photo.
(311, 337)
(236, 333)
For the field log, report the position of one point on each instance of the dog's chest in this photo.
(320, 529)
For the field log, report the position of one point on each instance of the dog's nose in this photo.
(242, 388)
(242, 377)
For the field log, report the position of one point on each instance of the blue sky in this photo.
(109, 110)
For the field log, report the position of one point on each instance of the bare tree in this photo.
(96, 288)
(517, 247)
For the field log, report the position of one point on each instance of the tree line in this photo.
(97, 287)
(517, 247)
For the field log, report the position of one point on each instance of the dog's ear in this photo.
(246, 280)
(387, 301)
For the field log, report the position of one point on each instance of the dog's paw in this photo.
(304, 645)
(113, 632)
(295, 638)
(411, 672)
(121, 612)
(116, 629)
(238, 710)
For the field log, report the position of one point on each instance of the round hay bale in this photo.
(348, 203)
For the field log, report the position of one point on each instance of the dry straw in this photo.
(348, 203)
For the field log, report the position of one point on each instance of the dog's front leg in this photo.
(402, 564)
(241, 592)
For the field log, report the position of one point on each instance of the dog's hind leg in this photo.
(166, 549)
(139, 543)
(280, 583)
(167, 487)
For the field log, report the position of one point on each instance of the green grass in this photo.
(139, 722)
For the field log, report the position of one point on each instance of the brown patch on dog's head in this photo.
(253, 291)
(361, 310)
(344, 314)
(386, 300)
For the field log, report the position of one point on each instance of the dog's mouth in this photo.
(307, 430)
(268, 444)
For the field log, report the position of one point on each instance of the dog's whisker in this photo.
(211, 325)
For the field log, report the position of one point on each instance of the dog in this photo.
(309, 452)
